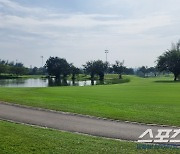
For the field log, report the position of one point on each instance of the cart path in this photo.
(77, 123)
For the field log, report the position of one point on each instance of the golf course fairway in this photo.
(147, 100)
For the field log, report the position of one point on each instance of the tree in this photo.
(129, 71)
(110, 70)
(118, 68)
(97, 67)
(170, 61)
(144, 70)
(18, 69)
(12, 68)
(101, 68)
(57, 66)
(74, 71)
(152, 70)
(2, 68)
(34, 71)
(89, 68)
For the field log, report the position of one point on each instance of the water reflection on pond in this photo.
(43, 83)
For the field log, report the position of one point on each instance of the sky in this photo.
(136, 31)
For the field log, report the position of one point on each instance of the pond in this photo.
(43, 83)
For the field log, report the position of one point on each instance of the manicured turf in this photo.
(150, 100)
(21, 139)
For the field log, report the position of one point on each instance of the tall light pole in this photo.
(42, 61)
(106, 52)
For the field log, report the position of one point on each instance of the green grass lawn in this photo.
(22, 139)
(149, 100)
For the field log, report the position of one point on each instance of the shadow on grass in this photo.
(117, 81)
(167, 81)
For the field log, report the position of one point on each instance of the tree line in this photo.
(168, 62)
(12, 68)
(60, 68)
(145, 71)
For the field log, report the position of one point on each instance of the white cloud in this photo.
(92, 32)
(88, 22)
(13, 6)
(110, 23)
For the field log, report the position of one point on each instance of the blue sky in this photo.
(80, 30)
